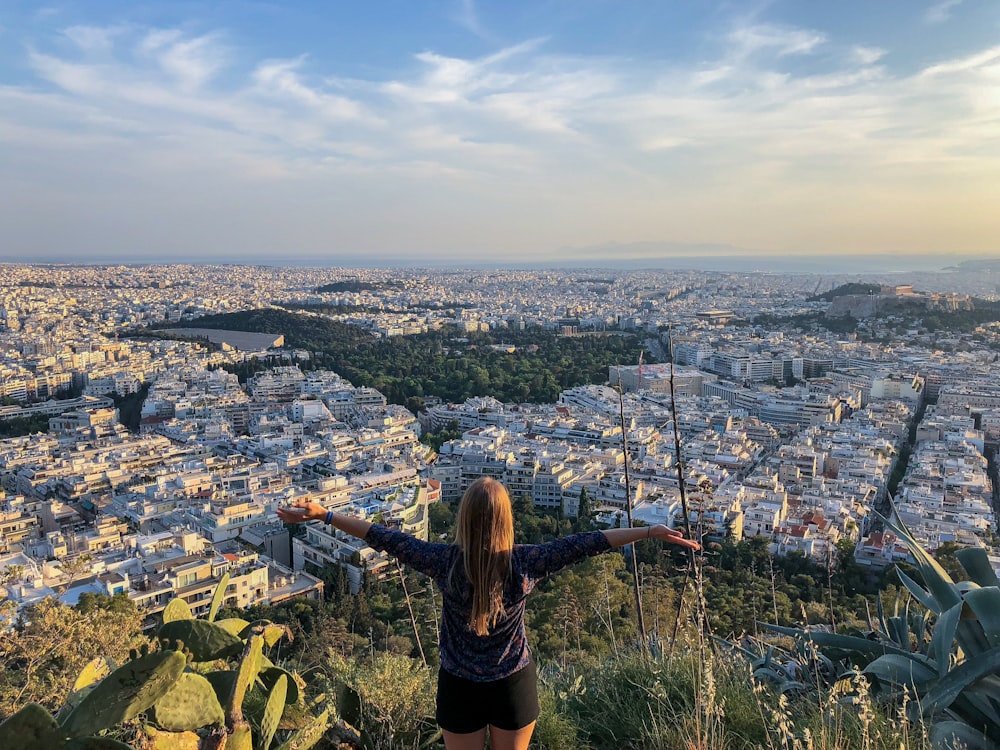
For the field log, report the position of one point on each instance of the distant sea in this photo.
(743, 263)
(805, 264)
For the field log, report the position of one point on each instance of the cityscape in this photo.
(788, 431)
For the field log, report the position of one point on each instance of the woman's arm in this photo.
(305, 511)
(427, 557)
(621, 537)
(538, 560)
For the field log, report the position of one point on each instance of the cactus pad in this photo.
(234, 625)
(126, 692)
(172, 740)
(270, 677)
(309, 735)
(205, 640)
(93, 670)
(218, 597)
(190, 704)
(272, 711)
(177, 609)
(95, 743)
(31, 728)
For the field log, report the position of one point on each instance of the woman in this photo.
(487, 678)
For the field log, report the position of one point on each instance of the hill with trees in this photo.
(844, 290)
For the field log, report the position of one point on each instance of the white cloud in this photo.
(93, 39)
(192, 62)
(779, 40)
(279, 78)
(467, 17)
(940, 11)
(867, 55)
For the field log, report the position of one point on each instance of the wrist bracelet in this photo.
(329, 517)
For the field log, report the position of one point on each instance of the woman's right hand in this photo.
(670, 536)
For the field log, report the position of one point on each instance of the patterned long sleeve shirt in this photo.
(504, 650)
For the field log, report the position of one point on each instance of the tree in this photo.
(442, 518)
(43, 654)
(585, 511)
(73, 567)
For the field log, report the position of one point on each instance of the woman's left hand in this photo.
(670, 536)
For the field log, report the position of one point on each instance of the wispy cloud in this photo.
(742, 104)
(867, 55)
(940, 11)
(773, 110)
(773, 39)
(467, 17)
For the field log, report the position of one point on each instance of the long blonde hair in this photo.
(484, 530)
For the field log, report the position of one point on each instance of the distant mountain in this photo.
(984, 264)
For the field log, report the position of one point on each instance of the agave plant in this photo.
(209, 685)
(946, 658)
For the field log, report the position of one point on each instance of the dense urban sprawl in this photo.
(789, 433)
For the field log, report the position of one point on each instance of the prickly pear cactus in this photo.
(218, 597)
(95, 743)
(31, 728)
(125, 693)
(183, 700)
(190, 704)
(206, 641)
(234, 625)
(158, 740)
(94, 670)
(270, 676)
(272, 712)
(177, 609)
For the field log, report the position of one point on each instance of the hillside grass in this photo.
(687, 701)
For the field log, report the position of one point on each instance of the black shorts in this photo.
(510, 703)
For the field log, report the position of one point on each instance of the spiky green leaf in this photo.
(976, 563)
(936, 579)
(954, 735)
(943, 637)
(957, 679)
(848, 644)
(899, 671)
(985, 604)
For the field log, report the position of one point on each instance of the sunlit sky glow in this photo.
(507, 131)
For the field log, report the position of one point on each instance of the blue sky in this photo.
(507, 131)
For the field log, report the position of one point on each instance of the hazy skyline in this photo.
(497, 131)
